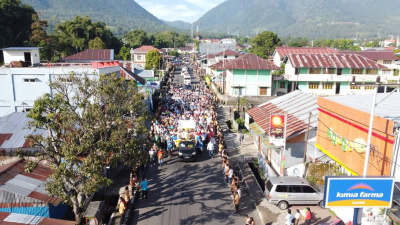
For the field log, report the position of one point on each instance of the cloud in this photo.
(187, 10)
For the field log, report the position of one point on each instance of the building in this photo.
(21, 86)
(18, 219)
(301, 111)
(249, 75)
(330, 74)
(281, 51)
(25, 193)
(90, 55)
(13, 134)
(216, 47)
(343, 123)
(138, 55)
(386, 58)
(28, 56)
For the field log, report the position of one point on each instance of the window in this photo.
(387, 62)
(369, 87)
(371, 71)
(386, 71)
(354, 87)
(329, 71)
(29, 80)
(281, 188)
(263, 91)
(282, 85)
(237, 91)
(296, 71)
(308, 189)
(139, 57)
(356, 71)
(315, 71)
(339, 71)
(313, 85)
(295, 188)
(327, 86)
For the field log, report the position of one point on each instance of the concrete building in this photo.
(28, 55)
(138, 55)
(330, 74)
(281, 52)
(21, 86)
(214, 48)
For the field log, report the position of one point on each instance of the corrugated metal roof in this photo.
(228, 52)
(127, 74)
(283, 50)
(22, 219)
(16, 124)
(332, 61)
(251, 61)
(92, 54)
(375, 55)
(297, 105)
(389, 108)
(8, 218)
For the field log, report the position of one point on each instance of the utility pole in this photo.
(305, 146)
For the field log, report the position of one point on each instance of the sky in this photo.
(172, 10)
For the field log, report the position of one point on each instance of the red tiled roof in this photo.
(375, 55)
(92, 54)
(145, 49)
(332, 61)
(251, 61)
(209, 56)
(4, 137)
(228, 52)
(283, 51)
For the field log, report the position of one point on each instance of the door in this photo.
(27, 57)
(289, 87)
(337, 88)
(263, 91)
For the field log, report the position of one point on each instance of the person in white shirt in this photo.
(152, 153)
(210, 148)
(297, 217)
(289, 217)
(230, 174)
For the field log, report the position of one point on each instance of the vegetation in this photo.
(153, 60)
(120, 17)
(15, 23)
(342, 44)
(264, 44)
(311, 18)
(87, 132)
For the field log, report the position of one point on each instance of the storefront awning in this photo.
(256, 129)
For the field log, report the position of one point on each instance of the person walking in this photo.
(230, 112)
(289, 217)
(152, 153)
(160, 155)
(241, 138)
(144, 184)
(297, 217)
(308, 216)
(230, 175)
(122, 207)
(236, 200)
(210, 148)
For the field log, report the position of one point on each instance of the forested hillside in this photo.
(305, 18)
(119, 15)
(179, 24)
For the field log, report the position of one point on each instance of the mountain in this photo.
(119, 15)
(305, 18)
(179, 24)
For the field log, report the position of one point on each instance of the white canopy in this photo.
(187, 124)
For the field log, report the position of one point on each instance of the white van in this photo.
(187, 79)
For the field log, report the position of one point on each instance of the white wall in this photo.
(277, 59)
(289, 69)
(19, 56)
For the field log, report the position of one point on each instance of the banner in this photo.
(277, 130)
(358, 192)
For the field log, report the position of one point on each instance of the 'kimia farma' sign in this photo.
(358, 192)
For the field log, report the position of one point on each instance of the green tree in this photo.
(15, 23)
(374, 43)
(39, 38)
(153, 60)
(298, 42)
(96, 43)
(74, 35)
(87, 132)
(124, 53)
(265, 43)
(136, 38)
(174, 53)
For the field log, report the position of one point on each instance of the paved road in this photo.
(182, 193)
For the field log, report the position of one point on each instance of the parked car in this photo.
(336, 221)
(285, 191)
(187, 151)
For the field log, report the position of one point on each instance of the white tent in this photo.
(186, 124)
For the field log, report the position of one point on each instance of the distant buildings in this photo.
(213, 48)
(138, 55)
